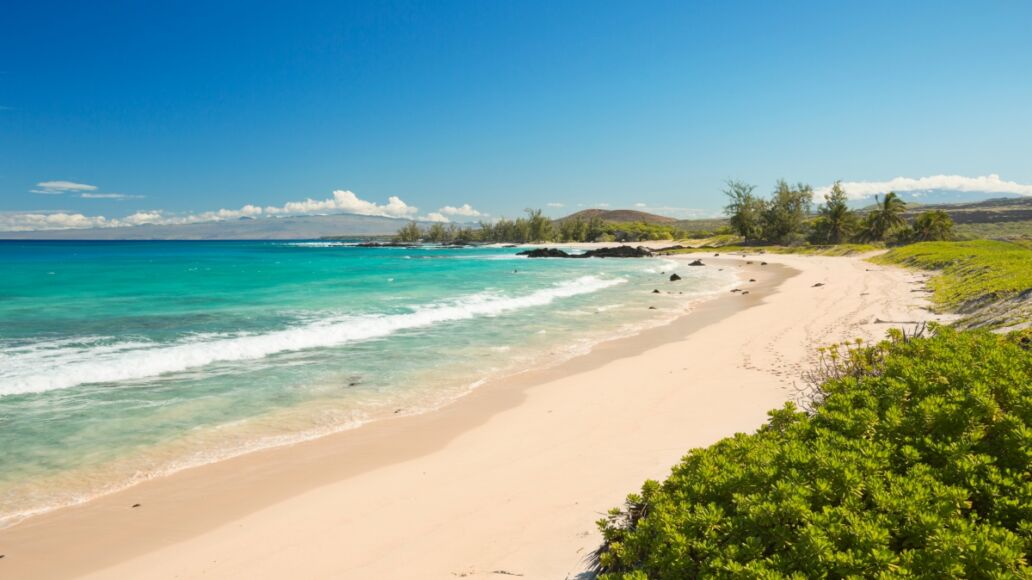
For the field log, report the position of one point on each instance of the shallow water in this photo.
(120, 361)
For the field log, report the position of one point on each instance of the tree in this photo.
(932, 226)
(437, 233)
(744, 210)
(539, 227)
(785, 214)
(885, 217)
(410, 232)
(836, 222)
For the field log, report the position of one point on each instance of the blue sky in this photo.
(194, 107)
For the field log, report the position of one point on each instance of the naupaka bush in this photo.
(917, 463)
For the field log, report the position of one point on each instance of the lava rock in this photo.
(544, 253)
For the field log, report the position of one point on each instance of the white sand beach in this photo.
(507, 480)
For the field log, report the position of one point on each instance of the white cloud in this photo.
(346, 202)
(985, 183)
(58, 187)
(341, 202)
(465, 210)
(118, 196)
(640, 204)
(601, 205)
(18, 222)
(555, 204)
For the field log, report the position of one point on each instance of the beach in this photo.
(507, 480)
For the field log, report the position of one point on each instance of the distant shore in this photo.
(509, 478)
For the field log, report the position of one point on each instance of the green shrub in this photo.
(916, 464)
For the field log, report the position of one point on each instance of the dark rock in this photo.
(818, 285)
(385, 245)
(715, 255)
(617, 252)
(674, 277)
(697, 263)
(544, 253)
(748, 263)
(763, 263)
(736, 290)
(510, 246)
(614, 252)
(744, 293)
(136, 505)
(655, 291)
(652, 307)
(752, 279)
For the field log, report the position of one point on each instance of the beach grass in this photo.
(968, 273)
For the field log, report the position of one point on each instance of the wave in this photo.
(45, 367)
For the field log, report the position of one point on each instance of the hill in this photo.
(620, 216)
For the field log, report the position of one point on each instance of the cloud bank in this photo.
(342, 201)
(986, 183)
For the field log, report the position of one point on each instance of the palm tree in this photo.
(886, 216)
(933, 226)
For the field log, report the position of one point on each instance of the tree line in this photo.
(536, 227)
(786, 217)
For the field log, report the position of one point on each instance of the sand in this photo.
(508, 480)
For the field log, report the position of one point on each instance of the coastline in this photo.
(467, 489)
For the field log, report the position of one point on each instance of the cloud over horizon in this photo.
(341, 201)
(991, 183)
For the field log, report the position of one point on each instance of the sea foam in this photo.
(44, 367)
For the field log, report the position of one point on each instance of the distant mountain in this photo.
(281, 228)
(935, 196)
(620, 215)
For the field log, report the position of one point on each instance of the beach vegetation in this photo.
(410, 233)
(932, 226)
(744, 210)
(914, 461)
(835, 222)
(785, 214)
(537, 228)
(972, 275)
(885, 218)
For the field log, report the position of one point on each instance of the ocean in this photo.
(123, 361)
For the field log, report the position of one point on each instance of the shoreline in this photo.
(190, 513)
(545, 362)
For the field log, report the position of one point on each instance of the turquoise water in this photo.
(120, 361)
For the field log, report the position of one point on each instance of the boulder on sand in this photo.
(697, 263)
(674, 277)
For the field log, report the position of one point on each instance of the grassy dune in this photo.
(991, 281)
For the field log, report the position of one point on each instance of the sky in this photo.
(115, 113)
